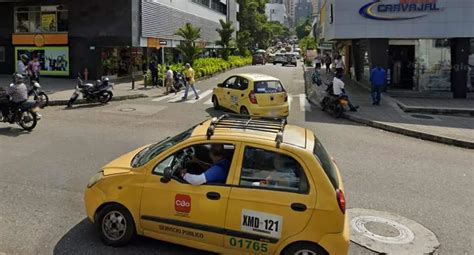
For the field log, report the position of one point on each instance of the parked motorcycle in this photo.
(92, 93)
(179, 81)
(40, 97)
(333, 104)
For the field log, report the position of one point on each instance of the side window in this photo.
(272, 170)
(160, 168)
(229, 83)
(241, 84)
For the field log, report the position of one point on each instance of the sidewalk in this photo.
(458, 131)
(59, 90)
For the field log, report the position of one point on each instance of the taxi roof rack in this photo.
(247, 122)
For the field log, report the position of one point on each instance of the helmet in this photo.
(18, 78)
(24, 57)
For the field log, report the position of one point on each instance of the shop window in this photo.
(2, 54)
(37, 19)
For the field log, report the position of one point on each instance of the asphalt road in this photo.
(43, 174)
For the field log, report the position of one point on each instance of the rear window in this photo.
(265, 87)
(325, 160)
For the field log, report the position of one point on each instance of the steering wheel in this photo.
(181, 161)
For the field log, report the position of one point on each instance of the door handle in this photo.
(213, 195)
(228, 93)
(298, 207)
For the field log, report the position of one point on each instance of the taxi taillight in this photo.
(253, 98)
(341, 200)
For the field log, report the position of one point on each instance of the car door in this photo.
(266, 205)
(239, 93)
(224, 92)
(179, 212)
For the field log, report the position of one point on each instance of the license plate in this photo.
(344, 102)
(36, 109)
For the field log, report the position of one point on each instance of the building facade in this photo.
(107, 37)
(425, 45)
(303, 10)
(276, 11)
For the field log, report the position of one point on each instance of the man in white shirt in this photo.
(168, 79)
(338, 90)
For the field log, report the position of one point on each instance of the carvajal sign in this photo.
(399, 9)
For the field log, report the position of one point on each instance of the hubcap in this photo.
(114, 225)
(305, 252)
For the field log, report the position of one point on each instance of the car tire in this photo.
(116, 225)
(304, 248)
(244, 111)
(215, 102)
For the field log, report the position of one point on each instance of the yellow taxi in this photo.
(252, 94)
(273, 190)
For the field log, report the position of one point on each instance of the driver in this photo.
(216, 173)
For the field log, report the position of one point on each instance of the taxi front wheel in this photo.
(116, 226)
(304, 248)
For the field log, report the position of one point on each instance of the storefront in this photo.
(425, 45)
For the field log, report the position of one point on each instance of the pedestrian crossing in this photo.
(205, 98)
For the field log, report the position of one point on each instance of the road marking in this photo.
(304, 106)
(208, 102)
(158, 99)
(201, 96)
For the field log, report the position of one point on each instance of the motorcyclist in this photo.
(338, 90)
(18, 93)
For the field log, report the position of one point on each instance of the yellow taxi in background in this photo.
(252, 94)
(282, 193)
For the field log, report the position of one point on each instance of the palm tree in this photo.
(225, 32)
(188, 46)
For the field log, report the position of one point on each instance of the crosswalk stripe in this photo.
(201, 97)
(158, 99)
(304, 106)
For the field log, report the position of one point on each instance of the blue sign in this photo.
(402, 10)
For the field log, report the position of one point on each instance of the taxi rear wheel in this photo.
(304, 248)
(244, 111)
(116, 226)
(215, 102)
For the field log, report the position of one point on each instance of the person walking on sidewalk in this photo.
(154, 73)
(169, 79)
(189, 73)
(328, 62)
(378, 76)
(338, 90)
(339, 65)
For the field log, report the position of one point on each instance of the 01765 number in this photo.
(248, 245)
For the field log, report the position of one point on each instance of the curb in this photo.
(434, 110)
(82, 101)
(411, 133)
(402, 131)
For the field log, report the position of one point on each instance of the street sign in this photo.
(163, 43)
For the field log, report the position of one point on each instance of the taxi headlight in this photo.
(95, 179)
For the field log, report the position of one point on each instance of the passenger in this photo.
(281, 176)
(216, 173)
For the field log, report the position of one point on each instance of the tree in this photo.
(303, 28)
(225, 32)
(188, 46)
(308, 43)
(252, 20)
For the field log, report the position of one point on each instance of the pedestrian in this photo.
(144, 67)
(35, 69)
(154, 73)
(378, 77)
(169, 79)
(317, 61)
(339, 65)
(22, 67)
(328, 62)
(189, 73)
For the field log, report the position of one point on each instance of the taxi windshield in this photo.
(150, 152)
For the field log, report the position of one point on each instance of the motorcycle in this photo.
(98, 92)
(334, 104)
(25, 114)
(40, 97)
(179, 81)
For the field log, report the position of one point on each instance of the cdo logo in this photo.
(398, 10)
(182, 203)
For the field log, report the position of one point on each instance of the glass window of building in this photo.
(38, 19)
(433, 65)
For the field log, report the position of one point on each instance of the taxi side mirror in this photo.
(167, 175)
(220, 85)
